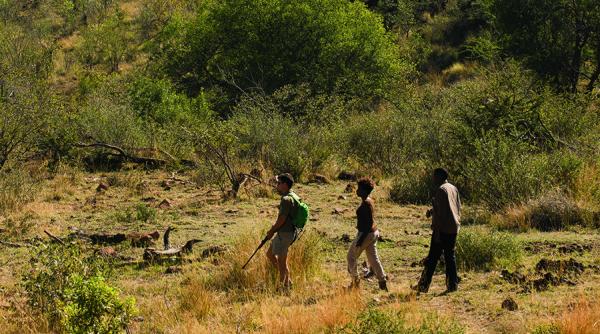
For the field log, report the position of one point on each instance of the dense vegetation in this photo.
(504, 93)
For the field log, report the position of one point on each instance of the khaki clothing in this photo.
(446, 209)
(281, 243)
(369, 244)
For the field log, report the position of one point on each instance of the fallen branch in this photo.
(12, 244)
(55, 238)
(124, 154)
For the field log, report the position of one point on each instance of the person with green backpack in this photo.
(293, 215)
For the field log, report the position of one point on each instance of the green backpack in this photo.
(301, 216)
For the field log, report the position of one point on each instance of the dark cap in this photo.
(286, 178)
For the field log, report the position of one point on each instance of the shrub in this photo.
(500, 172)
(412, 188)
(481, 249)
(91, 305)
(53, 267)
(554, 211)
(374, 321)
(278, 141)
(144, 213)
(338, 46)
(388, 141)
(106, 43)
(17, 188)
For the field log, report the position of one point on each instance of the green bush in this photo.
(501, 172)
(388, 141)
(412, 188)
(106, 43)
(481, 249)
(93, 306)
(52, 267)
(338, 46)
(145, 213)
(374, 321)
(278, 141)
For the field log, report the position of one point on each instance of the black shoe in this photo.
(383, 285)
(452, 288)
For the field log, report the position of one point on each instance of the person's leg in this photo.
(271, 256)
(284, 270)
(435, 251)
(352, 257)
(449, 245)
(373, 258)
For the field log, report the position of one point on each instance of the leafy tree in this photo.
(557, 38)
(106, 43)
(244, 45)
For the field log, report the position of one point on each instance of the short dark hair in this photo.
(286, 178)
(440, 173)
(367, 184)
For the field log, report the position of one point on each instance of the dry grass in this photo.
(583, 318)
(304, 261)
(331, 313)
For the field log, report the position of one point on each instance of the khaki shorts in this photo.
(281, 242)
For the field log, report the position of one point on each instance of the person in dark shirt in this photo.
(366, 238)
(445, 224)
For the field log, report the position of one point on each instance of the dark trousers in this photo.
(440, 242)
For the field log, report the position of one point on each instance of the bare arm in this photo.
(275, 227)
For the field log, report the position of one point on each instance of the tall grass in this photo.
(584, 318)
(305, 260)
(16, 189)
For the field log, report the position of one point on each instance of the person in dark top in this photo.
(445, 224)
(285, 229)
(366, 238)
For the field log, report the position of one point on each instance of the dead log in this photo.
(153, 255)
(120, 152)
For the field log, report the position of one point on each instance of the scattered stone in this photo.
(510, 304)
(231, 211)
(560, 266)
(313, 219)
(167, 184)
(107, 252)
(339, 211)
(345, 238)
(212, 250)
(347, 176)
(514, 278)
(102, 187)
(321, 179)
(350, 188)
(342, 197)
(165, 204)
(173, 270)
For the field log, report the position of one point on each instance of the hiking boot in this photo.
(383, 285)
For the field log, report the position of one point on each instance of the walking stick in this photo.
(262, 243)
